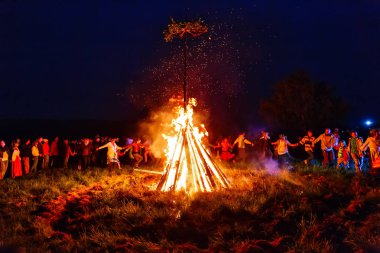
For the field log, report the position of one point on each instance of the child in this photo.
(343, 156)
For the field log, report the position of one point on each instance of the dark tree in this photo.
(299, 103)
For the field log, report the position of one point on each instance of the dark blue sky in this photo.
(64, 59)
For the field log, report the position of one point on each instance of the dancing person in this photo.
(147, 151)
(327, 143)
(54, 153)
(40, 150)
(372, 142)
(354, 144)
(263, 147)
(67, 154)
(45, 153)
(336, 145)
(241, 141)
(36, 156)
(112, 157)
(226, 147)
(16, 170)
(85, 151)
(343, 156)
(26, 153)
(4, 159)
(307, 142)
(282, 149)
(136, 149)
(96, 157)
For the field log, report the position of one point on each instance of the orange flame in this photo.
(189, 165)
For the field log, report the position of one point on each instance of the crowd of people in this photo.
(31, 157)
(336, 151)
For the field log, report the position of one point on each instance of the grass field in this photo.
(310, 210)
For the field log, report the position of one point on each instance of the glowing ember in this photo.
(189, 166)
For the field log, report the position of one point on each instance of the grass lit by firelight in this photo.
(310, 210)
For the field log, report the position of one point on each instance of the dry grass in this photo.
(311, 210)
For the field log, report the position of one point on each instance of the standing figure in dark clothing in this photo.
(41, 151)
(54, 153)
(263, 147)
(26, 153)
(96, 155)
(67, 154)
(85, 151)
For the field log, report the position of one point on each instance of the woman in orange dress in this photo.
(16, 162)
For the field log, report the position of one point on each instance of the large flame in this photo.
(189, 166)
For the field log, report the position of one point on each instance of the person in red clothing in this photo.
(226, 147)
(136, 148)
(16, 162)
(54, 153)
(45, 153)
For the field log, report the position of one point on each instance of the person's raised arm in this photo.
(291, 144)
(318, 139)
(101, 147)
(275, 143)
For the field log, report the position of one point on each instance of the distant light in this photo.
(368, 122)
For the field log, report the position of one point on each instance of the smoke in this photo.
(159, 122)
(272, 167)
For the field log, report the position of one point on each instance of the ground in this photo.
(309, 210)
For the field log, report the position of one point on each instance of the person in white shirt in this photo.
(282, 150)
(327, 144)
(240, 142)
(112, 156)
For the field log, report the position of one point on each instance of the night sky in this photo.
(73, 59)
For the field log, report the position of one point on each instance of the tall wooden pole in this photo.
(184, 73)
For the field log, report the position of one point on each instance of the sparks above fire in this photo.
(189, 165)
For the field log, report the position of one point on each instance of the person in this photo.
(342, 156)
(307, 142)
(336, 145)
(147, 151)
(282, 149)
(85, 151)
(4, 159)
(45, 153)
(40, 150)
(16, 170)
(327, 142)
(67, 153)
(54, 153)
(354, 144)
(225, 147)
(112, 149)
(263, 147)
(372, 142)
(136, 149)
(240, 142)
(36, 156)
(26, 153)
(96, 157)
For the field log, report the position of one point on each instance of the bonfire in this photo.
(189, 165)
